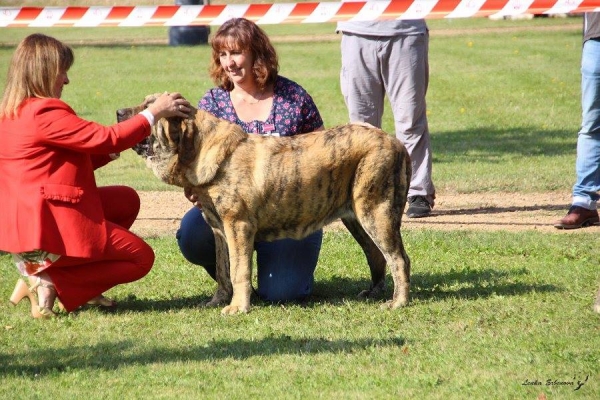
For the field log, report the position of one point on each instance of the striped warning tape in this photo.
(282, 13)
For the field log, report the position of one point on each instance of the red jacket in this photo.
(48, 194)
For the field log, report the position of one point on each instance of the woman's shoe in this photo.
(46, 294)
(20, 292)
(99, 301)
(102, 302)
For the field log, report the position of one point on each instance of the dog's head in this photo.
(171, 144)
(143, 148)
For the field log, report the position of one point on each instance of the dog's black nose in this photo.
(122, 114)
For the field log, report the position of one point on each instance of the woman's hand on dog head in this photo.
(169, 105)
(192, 197)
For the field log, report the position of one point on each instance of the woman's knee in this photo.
(141, 261)
(146, 259)
(121, 204)
(196, 240)
(286, 267)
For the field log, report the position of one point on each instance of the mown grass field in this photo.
(496, 315)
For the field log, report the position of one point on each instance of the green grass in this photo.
(504, 103)
(490, 311)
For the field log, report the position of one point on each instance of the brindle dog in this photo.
(256, 188)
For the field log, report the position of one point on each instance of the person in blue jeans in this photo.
(251, 93)
(584, 210)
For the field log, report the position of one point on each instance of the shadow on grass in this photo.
(463, 284)
(115, 355)
(475, 284)
(486, 144)
(134, 304)
(500, 210)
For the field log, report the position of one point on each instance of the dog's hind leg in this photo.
(382, 224)
(378, 203)
(399, 263)
(388, 240)
(375, 258)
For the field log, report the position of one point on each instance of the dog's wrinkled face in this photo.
(144, 147)
(160, 148)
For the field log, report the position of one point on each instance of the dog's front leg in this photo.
(240, 242)
(224, 289)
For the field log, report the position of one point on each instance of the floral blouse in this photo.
(293, 111)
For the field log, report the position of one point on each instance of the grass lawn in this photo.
(494, 314)
(490, 313)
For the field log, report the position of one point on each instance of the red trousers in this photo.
(126, 258)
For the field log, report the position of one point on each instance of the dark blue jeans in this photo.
(285, 269)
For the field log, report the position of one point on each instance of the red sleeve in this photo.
(58, 125)
(100, 160)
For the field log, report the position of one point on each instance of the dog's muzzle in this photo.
(144, 147)
(124, 114)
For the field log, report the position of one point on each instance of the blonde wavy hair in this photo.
(33, 71)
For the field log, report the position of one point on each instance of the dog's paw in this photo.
(219, 298)
(232, 310)
(393, 304)
(386, 306)
(213, 303)
(373, 291)
(368, 294)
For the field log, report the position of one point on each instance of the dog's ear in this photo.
(187, 149)
(150, 99)
(217, 139)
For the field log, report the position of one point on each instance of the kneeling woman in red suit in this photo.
(70, 237)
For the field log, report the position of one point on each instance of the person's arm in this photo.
(58, 125)
(312, 120)
(100, 160)
(192, 197)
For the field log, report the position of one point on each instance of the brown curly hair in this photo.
(243, 34)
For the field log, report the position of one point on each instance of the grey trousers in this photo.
(398, 66)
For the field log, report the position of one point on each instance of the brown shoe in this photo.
(597, 302)
(578, 217)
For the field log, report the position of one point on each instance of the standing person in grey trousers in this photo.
(391, 57)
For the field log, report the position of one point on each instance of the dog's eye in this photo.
(175, 132)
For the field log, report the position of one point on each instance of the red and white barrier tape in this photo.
(282, 13)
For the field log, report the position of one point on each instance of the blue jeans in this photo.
(285, 268)
(587, 165)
